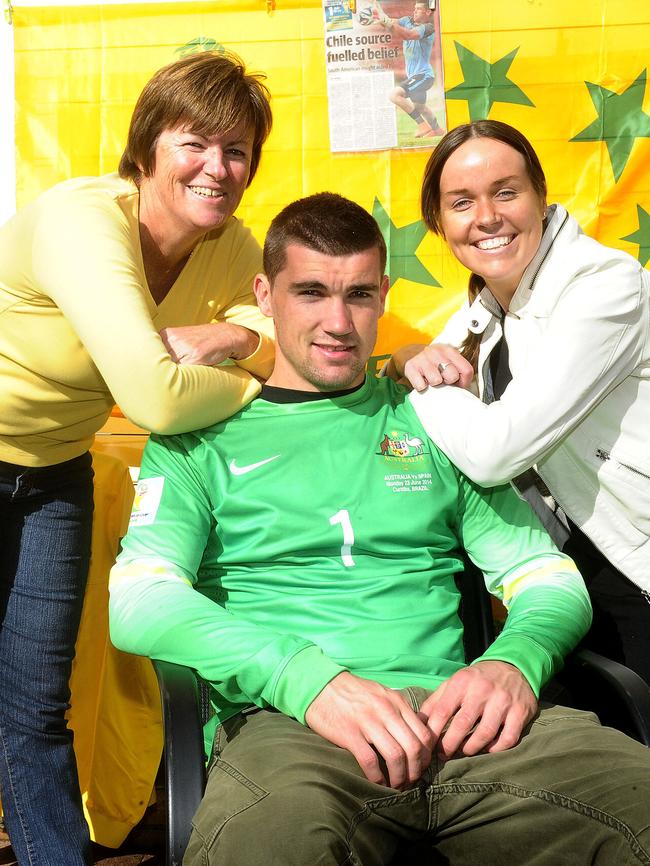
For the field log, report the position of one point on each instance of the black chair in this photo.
(183, 698)
(618, 696)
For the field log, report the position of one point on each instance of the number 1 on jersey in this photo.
(343, 517)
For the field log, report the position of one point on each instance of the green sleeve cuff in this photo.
(525, 654)
(545, 622)
(302, 679)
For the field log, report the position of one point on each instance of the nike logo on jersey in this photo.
(242, 470)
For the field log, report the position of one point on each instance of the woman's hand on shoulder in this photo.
(419, 366)
(209, 344)
(438, 364)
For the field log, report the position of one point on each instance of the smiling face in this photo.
(326, 310)
(490, 214)
(197, 183)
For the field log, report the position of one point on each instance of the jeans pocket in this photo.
(229, 792)
(228, 730)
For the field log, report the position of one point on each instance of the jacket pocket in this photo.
(625, 478)
(625, 467)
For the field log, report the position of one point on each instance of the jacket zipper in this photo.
(539, 267)
(605, 455)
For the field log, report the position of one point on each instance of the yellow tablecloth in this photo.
(115, 707)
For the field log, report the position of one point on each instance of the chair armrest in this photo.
(599, 682)
(185, 773)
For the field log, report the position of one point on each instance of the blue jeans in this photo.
(45, 532)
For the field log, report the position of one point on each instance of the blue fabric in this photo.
(45, 532)
(417, 52)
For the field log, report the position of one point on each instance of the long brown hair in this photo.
(430, 196)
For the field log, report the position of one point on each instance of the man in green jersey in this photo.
(301, 556)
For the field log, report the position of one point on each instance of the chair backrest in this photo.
(184, 758)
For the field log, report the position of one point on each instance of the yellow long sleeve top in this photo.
(79, 328)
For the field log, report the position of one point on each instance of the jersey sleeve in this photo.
(546, 598)
(86, 262)
(594, 338)
(157, 608)
(409, 30)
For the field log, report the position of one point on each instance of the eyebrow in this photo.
(302, 285)
(499, 182)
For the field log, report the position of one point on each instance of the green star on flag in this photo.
(198, 44)
(641, 236)
(402, 244)
(621, 120)
(485, 83)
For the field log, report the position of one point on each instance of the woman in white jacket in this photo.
(552, 356)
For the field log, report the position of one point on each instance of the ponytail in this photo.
(470, 346)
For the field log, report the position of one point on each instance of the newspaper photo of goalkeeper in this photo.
(417, 32)
(385, 75)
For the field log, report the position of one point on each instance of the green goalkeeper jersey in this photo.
(324, 536)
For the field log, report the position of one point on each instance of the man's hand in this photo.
(209, 344)
(370, 720)
(484, 707)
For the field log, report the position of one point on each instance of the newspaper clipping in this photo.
(384, 74)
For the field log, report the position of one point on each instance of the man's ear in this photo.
(262, 289)
(383, 291)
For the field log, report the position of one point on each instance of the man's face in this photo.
(326, 310)
(422, 14)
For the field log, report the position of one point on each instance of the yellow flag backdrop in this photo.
(571, 75)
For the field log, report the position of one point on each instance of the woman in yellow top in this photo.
(127, 288)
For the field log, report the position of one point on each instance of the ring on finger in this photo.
(442, 366)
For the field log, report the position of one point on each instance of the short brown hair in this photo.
(325, 222)
(210, 93)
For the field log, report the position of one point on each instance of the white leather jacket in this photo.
(578, 405)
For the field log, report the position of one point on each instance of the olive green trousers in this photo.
(570, 793)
